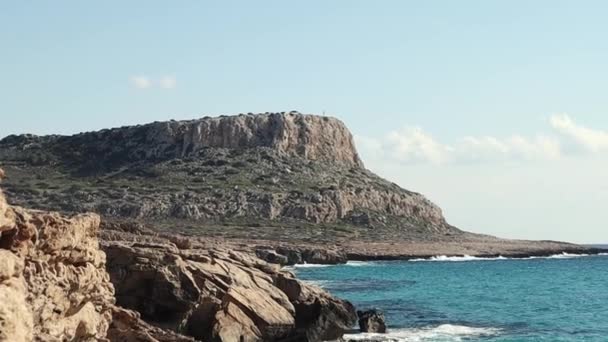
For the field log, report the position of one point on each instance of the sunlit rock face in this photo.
(53, 282)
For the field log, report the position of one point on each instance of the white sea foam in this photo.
(443, 333)
(473, 258)
(459, 258)
(359, 263)
(566, 256)
(310, 265)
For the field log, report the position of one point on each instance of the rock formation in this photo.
(54, 287)
(53, 283)
(284, 180)
(285, 169)
(218, 294)
(371, 321)
(290, 134)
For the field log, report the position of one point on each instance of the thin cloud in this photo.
(140, 82)
(591, 140)
(146, 82)
(414, 145)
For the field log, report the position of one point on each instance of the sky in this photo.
(495, 110)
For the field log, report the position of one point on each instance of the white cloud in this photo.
(145, 82)
(141, 82)
(591, 140)
(167, 82)
(414, 145)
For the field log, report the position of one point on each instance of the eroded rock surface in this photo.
(218, 294)
(290, 134)
(53, 283)
(277, 169)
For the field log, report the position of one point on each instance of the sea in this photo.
(558, 298)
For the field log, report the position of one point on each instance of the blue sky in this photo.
(494, 109)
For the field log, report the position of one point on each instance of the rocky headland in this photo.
(290, 186)
(178, 231)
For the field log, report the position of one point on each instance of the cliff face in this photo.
(288, 134)
(53, 283)
(283, 169)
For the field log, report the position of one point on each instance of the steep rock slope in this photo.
(296, 176)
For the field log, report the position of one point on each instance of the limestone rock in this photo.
(285, 169)
(271, 256)
(127, 326)
(319, 316)
(291, 134)
(53, 283)
(218, 294)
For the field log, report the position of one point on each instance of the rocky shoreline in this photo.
(179, 230)
(61, 278)
(289, 254)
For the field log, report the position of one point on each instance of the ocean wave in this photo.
(474, 258)
(359, 263)
(458, 258)
(310, 265)
(349, 263)
(443, 333)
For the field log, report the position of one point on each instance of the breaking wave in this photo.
(441, 333)
(359, 263)
(473, 258)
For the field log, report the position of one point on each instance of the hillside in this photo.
(274, 177)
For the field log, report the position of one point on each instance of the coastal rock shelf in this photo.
(58, 282)
(218, 294)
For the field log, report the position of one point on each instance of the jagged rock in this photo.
(53, 283)
(16, 321)
(271, 256)
(127, 326)
(289, 255)
(218, 295)
(319, 317)
(323, 256)
(371, 321)
(294, 256)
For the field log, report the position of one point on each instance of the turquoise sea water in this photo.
(561, 298)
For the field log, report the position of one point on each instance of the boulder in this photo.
(371, 321)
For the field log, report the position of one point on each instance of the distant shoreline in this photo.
(539, 254)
